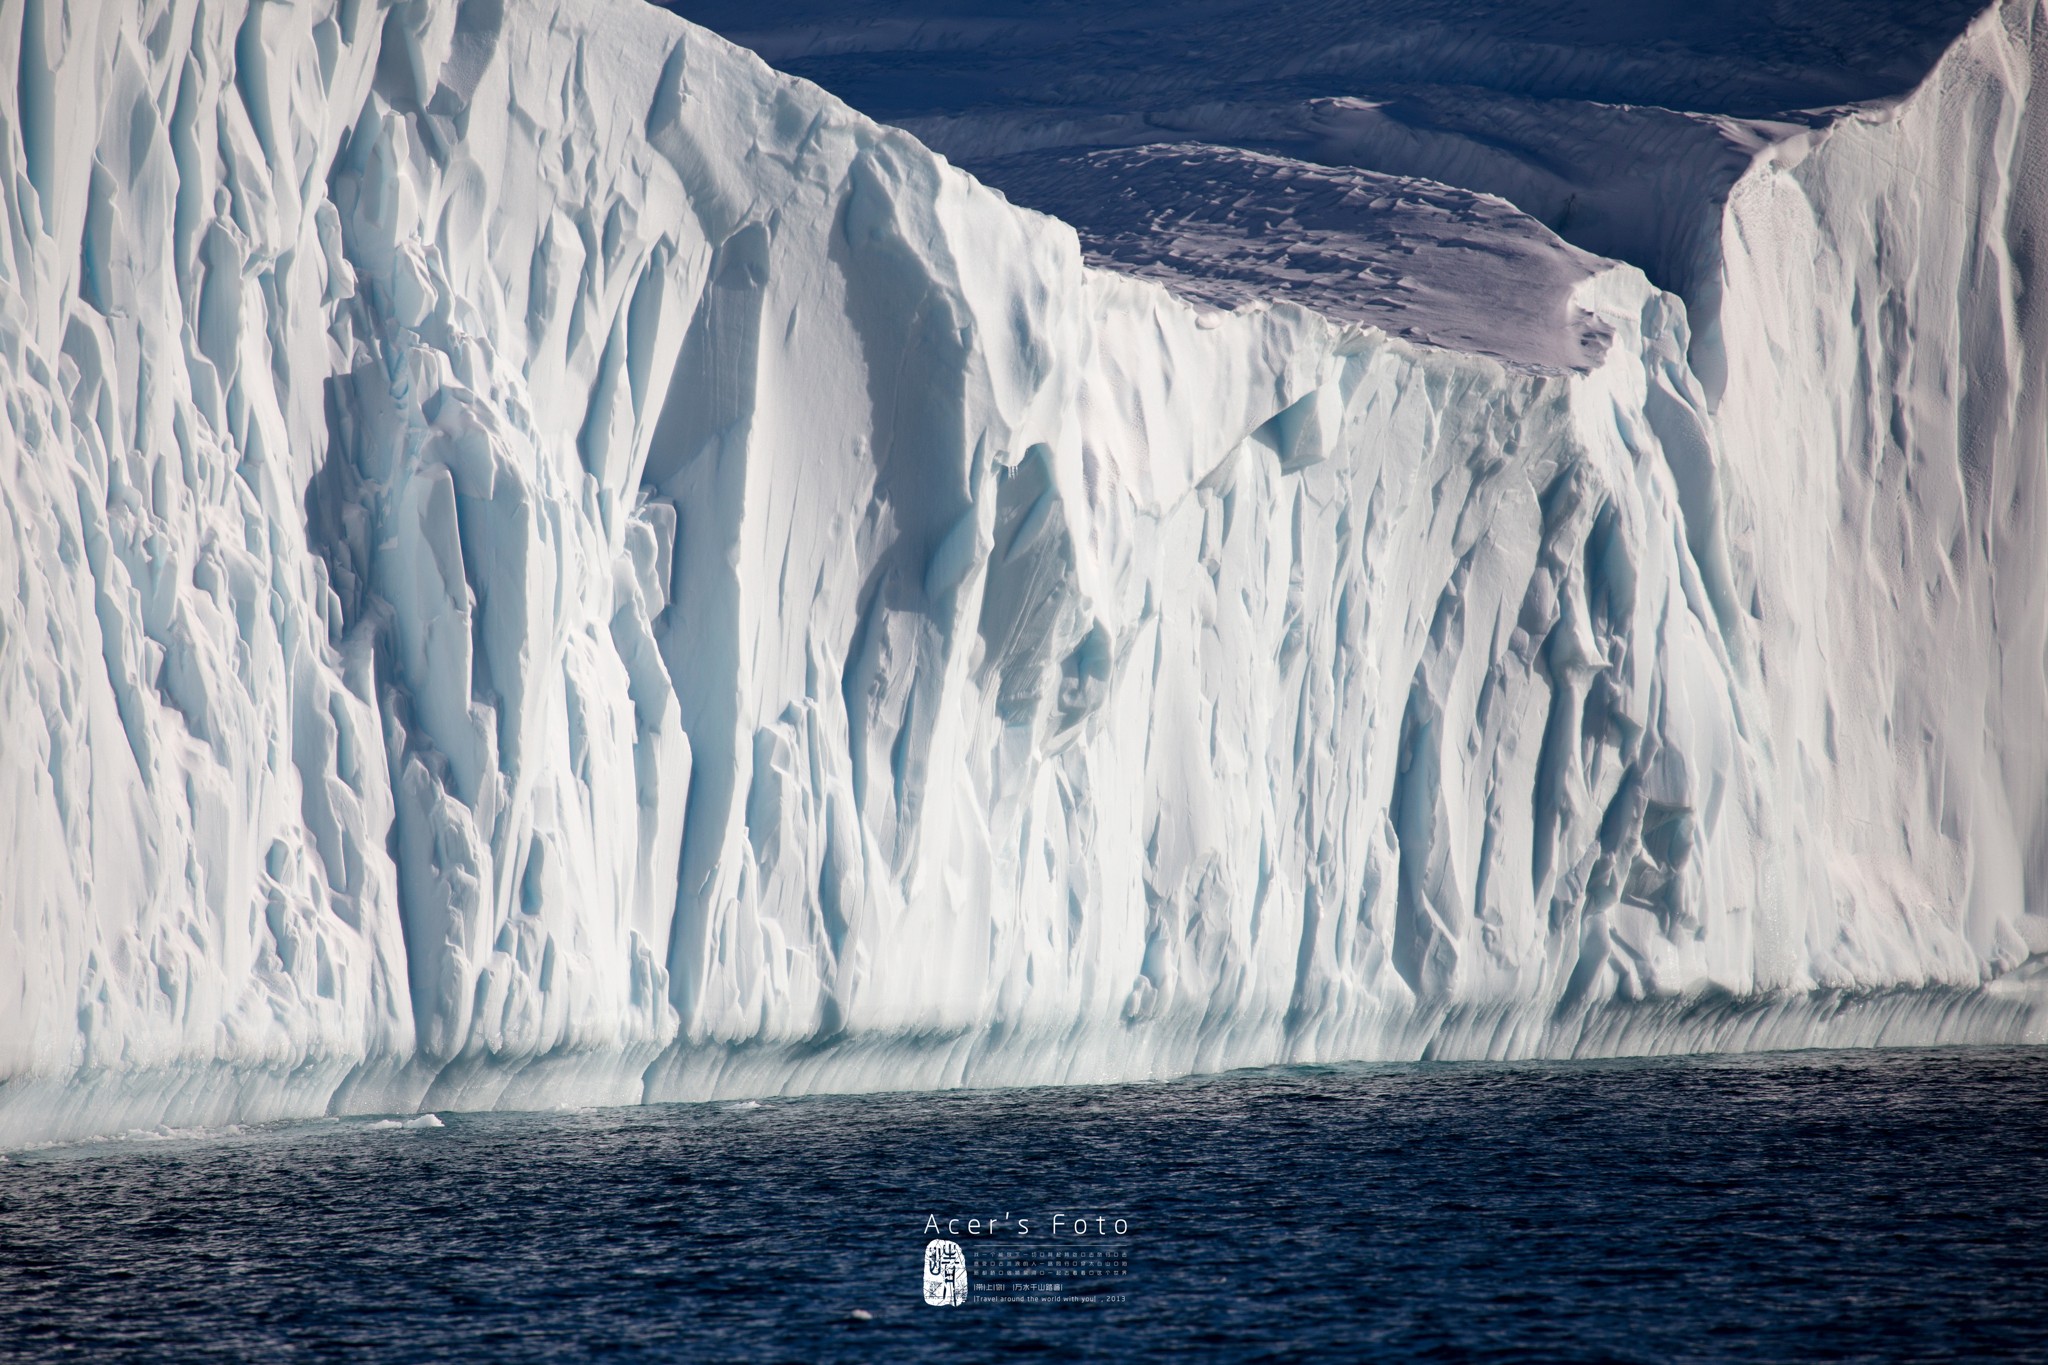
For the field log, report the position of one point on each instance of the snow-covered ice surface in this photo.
(1415, 258)
(551, 563)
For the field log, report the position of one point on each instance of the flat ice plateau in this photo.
(550, 563)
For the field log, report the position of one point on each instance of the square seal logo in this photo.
(945, 1273)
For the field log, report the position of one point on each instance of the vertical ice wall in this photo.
(1879, 375)
(337, 748)
(194, 866)
(551, 563)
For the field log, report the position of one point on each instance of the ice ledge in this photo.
(41, 1111)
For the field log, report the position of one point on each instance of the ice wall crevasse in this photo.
(554, 564)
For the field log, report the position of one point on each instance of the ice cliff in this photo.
(550, 563)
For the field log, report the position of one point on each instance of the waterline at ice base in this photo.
(550, 563)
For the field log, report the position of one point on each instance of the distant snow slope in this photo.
(552, 563)
(1620, 124)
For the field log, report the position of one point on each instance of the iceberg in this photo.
(555, 564)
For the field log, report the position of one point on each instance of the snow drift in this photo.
(551, 563)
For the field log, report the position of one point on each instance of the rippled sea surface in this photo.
(1870, 1205)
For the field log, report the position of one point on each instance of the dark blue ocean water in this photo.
(1869, 1205)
